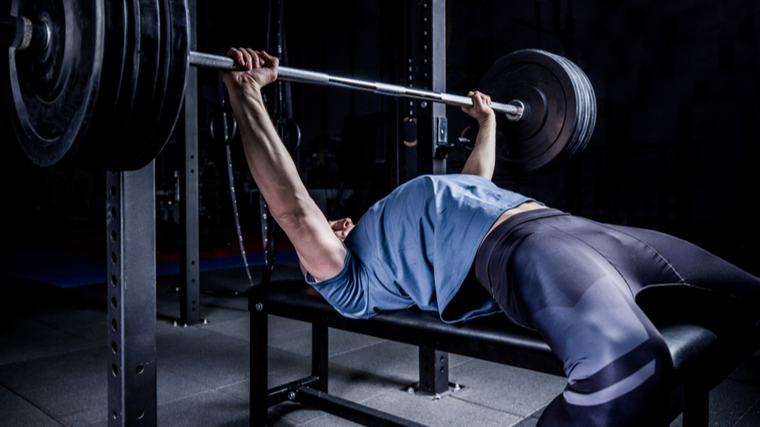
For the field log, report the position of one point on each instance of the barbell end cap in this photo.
(41, 34)
(521, 113)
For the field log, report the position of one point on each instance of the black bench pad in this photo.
(493, 338)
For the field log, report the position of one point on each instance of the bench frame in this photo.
(690, 383)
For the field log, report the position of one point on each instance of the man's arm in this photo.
(482, 160)
(320, 251)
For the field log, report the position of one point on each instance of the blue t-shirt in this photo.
(416, 246)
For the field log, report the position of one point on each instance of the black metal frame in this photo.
(434, 371)
(427, 60)
(190, 311)
(131, 222)
(264, 397)
(310, 390)
(131, 227)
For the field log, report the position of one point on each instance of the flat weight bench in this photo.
(700, 358)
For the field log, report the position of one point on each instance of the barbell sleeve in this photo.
(513, 110)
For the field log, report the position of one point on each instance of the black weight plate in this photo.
(152, 115)
(589, 110)
(128, 89)
(585, 119)
(175, 16)
(146, 24)
(116, 88)
(53, 94)
(547, 88)
(582, 118)
(119, 86)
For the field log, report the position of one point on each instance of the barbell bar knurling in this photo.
(224, 63)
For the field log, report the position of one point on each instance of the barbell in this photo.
(100, 84)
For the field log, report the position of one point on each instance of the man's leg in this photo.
(709, 291)
(614, 358)
(696, 266)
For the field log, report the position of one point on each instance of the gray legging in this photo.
(577, 282)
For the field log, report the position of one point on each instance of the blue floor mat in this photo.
(66, 270)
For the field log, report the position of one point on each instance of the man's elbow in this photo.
(294, 214)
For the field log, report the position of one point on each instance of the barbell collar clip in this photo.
(16, 32)
(520, 113)
(20, 32)
(25, 32)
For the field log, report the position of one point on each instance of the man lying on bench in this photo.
(573, 280)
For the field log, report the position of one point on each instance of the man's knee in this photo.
(629, 392)
(633, 376)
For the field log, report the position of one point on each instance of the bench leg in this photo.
(259, 368)
(319, 354)
(696, 405)
(434, 371)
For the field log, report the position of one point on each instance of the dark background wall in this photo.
(677, 136)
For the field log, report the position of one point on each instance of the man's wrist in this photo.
(246, 92)
(488, 121)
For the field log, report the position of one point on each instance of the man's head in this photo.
(342, 227)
